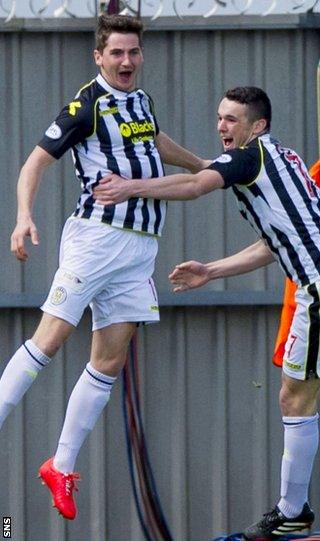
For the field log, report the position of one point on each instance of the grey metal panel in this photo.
(209, 390)
(167, 298)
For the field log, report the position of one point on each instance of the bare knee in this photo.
(289, 403)
(109, 348)
(298, 398)
(51, 334)
(109, 366)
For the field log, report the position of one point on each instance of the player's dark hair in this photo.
(116, 23)
(259, 105)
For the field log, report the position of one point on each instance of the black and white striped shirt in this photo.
(110, 131)
(280, 200)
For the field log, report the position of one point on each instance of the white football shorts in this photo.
(302, 353)
(107, 268)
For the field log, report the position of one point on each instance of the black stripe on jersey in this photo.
(313, 338)
(88, 204)
(105, 142)
(129, 218)
(136, 172)
(157, 211)
(80, 174)
(291, 209)
(243, 199)
(108, 210)
(145, 215)
(129, 149)
(88, 207)
(146, 144)
(292, 254)
(302, 191)
(153, 163)
(154, 168)
(256, 191)
(79, 168)
(112, 164)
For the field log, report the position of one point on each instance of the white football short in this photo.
(302, 353)
(107, 268)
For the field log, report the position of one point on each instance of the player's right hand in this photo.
(24, 228)
(189, 275)
(112, 190)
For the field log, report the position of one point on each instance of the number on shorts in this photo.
(291, 340)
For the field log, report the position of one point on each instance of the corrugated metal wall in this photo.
(209, 389)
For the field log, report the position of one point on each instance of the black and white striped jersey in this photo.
(276, 194)
(110, 131)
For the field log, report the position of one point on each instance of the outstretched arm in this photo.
(192, 274)
(173, 154)
(28, 184)
(114, 189)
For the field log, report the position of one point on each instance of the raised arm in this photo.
(28, 184)
(173, 154)
(192, 274)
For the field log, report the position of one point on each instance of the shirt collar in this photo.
(114, 91)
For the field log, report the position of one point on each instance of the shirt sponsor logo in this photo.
(224, 158)
(125, 130)
(59, 295)
(111, 111)
(54, 131)
(137, 131)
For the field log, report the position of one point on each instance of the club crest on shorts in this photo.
(58, 296)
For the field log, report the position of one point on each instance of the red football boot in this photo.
(61, 486)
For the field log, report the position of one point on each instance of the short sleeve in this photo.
(238, 166)
(74, 123)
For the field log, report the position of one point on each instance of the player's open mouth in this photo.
(125, 76)
(227, 142)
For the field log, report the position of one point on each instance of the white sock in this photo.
(301, 438)
(18, 376)
(88, 398)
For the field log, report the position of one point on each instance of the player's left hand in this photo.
(111, 190)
